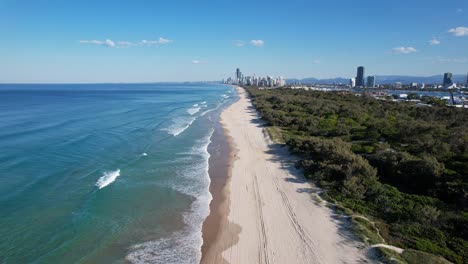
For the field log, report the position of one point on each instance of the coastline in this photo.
(222, 154)
(264, 212)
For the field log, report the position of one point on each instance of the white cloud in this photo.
(97, 42)
(257, 42)
(164, 41)
(198, 62)
(125, 44)
(161, 41)
(254, 42)
(107, 43)
(149, 42)
(434, 42)
(316, 62)
(404, 50)
(459, 31)
(459, 10)
(239, 43)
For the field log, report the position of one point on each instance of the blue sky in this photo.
(58, 41)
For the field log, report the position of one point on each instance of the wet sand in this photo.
(221, 158)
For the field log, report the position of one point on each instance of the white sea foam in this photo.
(207, 111)
(184, 246)
(204, 102)
(179, 125)
(107, 178)
(177, 249)
(193, 111)
(144, 154)
(197, 172)
(195, 105)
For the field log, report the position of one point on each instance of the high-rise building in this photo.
(239, 77)
(448, 79)
(281, 81)
(360, 76)
(371, 81)
(352, 82)
(269, 81)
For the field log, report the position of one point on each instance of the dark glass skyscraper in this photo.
(448, 79)
(360, 76)
(371, 81)
(238, 74)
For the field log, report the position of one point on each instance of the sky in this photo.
(90, 41)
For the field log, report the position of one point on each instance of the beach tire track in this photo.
(263, 255)
(302, 234)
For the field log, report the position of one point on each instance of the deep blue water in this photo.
(105, 173)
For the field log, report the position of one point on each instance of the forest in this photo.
(402, 165)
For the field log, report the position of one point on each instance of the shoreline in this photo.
(264, 211)
(220, 174)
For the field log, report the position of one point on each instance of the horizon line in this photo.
(58, 83)
(218, 81)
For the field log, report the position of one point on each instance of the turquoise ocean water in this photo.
(105, 173)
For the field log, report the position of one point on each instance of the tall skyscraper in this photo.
(371, 81)
(238, 74)
(360, 76)
(352, 82)
(448, 79)
(239, 77)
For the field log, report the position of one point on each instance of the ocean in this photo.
(106, 173)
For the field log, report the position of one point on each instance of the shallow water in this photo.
(105, 173)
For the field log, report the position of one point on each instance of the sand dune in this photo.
(270, 216)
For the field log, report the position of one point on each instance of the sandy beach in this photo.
(265, 212)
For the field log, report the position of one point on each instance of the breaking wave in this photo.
(193, 110)
(183, 247)
(179, 125)
(107, 178)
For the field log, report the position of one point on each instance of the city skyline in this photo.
(254, 80)
(86, 42)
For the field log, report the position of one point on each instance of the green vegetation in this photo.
(403, 166)
(414, 256)
(367, 230)
(388, 256)
(409, 256)
(275, 134)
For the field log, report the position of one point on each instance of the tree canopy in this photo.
(404, 164)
